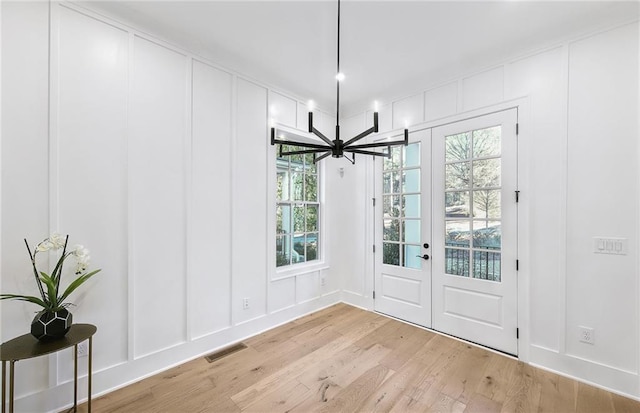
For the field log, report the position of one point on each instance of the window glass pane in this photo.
(457, 147)
(394, 161)
(312, 218)
(411, 180)
(282, 182)
(297, 253)
(297, 186)
(486, 142)
(486, 173)
(487, 235)
(486, 265)
(283, 219)
(411, 231)
(411, 206)
(309, 166)
(457, 175)
(457, 233)
(412, 256)
(456, 262)
(391, 230)
(390, 253)
(411, 155)
(387, 178)
(311, 187)
(297, 161)
(298, 218)
(391, 206)
(282, 250)
(456, 204)
(312, 246)
(486, 203)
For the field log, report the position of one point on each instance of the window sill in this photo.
(299, 269)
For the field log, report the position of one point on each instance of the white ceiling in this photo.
(388, 48)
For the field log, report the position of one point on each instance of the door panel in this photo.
(474, 226)
(403, 278)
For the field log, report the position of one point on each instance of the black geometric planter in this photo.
(48, 325)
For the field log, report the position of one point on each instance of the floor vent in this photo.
(224, 352)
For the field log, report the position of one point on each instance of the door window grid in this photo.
(297, 209)
(472, 204)
(401, 207)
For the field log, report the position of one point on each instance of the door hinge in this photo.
(517, 265)
(517, 129)
(517, 333)
(374, 201)
(374, 295)
(374, 248)
(517, 196)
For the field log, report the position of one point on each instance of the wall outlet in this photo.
(587, 335)
(83, 349)
(245, 303)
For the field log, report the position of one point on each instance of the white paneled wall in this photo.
(156, 160)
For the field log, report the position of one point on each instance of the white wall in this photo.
(579, 177)
(157, 161)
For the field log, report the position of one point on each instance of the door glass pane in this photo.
(391, 230)
(457, 147)
(412, 257)
(411, 206)
(387, 179)
(411, 180)
(486, 142)
(456, 204)
(457, 175)
(411, 231)
(394, 161)
(474, 239)
(457, 261)
(457, 234)
(486, 203)
(487, 235)
(390, 253)
(411, 155)
(486, 173)
(391, 206)
(486, 265)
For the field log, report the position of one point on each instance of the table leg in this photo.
(11, 377)
(4, 386)
(75, 378)
(90, 373)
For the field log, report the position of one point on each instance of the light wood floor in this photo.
(344, 359)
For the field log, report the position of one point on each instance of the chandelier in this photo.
(337, 148)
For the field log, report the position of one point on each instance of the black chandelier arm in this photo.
(376, 145)
(352, 160)
(362, 135)
(321, 157)
(361, 152)
(300, 144)
(303, 152)
(321, 136)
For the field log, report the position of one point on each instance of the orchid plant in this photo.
(49, 284)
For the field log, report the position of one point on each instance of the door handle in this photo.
(424, 257)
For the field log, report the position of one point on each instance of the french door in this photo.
(468, 286)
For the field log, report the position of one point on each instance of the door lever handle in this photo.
(424, 257)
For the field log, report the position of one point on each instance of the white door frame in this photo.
(522, 105)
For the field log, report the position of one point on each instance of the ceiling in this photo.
(389, 49)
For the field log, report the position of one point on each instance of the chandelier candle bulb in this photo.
(310, 122)
(375, 121)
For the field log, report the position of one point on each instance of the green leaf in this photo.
(76, 283)
(51, 288)
(29, 298)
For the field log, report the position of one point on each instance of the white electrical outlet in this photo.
(83, 349)
(587, 335)
(245, 303)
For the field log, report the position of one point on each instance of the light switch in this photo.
(608, 245)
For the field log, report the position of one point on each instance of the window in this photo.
(297, 209)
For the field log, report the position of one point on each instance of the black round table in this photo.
(27, 346)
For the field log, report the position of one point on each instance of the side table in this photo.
(27, 346)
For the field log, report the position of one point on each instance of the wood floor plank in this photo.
(344, 359)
